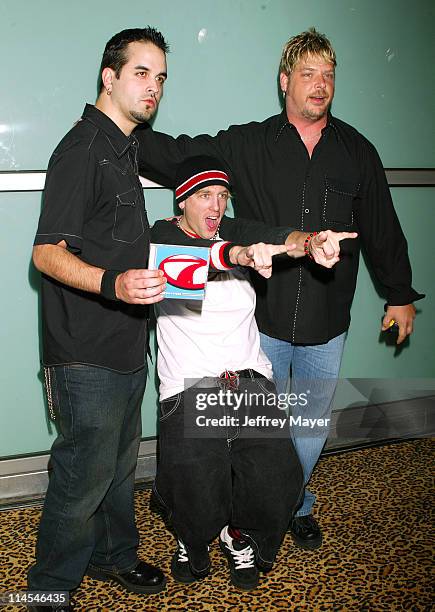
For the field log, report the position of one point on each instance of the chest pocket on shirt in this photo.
(128, 225)
(338, 202)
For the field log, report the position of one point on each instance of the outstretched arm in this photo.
(323, 247)
(259, 256)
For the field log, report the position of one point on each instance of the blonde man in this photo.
(309, 170)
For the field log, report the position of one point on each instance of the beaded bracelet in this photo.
(307, 242)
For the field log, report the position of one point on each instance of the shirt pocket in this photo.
(128, 224)
(338, 203)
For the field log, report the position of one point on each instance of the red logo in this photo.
(185, 271)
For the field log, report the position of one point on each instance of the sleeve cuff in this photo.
(283, 234)
(220, 256)
(74, 242)
(402, 299)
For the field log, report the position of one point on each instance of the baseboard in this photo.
(373, 424)
(25, 479)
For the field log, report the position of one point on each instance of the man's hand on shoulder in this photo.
(404, 317)
(140, 286)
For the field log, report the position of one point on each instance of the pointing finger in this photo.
(345, 235)
(277, 249)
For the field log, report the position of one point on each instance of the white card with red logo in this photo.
(185, 268)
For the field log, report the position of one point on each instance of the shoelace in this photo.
(243, 559)
(182, 553)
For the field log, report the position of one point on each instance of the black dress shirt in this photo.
(341, 187)
(94, 201)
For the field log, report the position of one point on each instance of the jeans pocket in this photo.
(169, 406)
(50, 384)
(266, 385)
(128, 224)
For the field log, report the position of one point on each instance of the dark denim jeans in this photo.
(253, 484)
(88, 515)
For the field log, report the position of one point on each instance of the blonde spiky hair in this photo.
(311, 43)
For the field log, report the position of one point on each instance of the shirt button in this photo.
(307, 210)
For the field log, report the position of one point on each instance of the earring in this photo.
(108, 91)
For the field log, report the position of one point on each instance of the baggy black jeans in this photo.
(252, 483)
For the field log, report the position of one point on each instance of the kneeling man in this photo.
(243, 487)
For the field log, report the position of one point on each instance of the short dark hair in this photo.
(115, 56)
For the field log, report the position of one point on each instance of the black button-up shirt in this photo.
(341, 187)
(94, 201)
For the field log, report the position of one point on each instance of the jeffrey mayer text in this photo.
(259, 421)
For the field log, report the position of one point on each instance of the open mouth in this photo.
(212, 223)
(318, 99)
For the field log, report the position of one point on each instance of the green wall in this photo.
(222, 69)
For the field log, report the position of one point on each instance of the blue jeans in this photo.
(315, 367)
(88, 515)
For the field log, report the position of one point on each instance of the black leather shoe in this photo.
(306, 532)
(144, 578)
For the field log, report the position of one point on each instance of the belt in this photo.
(229, 379)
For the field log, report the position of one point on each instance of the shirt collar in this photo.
(119, 142)
(283, 122)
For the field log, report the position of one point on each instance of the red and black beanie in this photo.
(198, 172)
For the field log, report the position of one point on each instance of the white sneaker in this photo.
(241, 561)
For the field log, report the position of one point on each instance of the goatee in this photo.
(315, 115)
(141, 117)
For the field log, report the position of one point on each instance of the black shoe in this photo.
(306, 532)
(144, 578)
(241, 561)
(180, 567)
